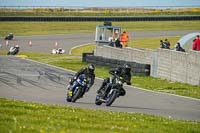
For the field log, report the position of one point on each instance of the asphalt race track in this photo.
(23, 79)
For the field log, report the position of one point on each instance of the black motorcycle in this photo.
(108, 97)
(10, 36)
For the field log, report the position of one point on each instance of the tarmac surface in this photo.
(27, 80)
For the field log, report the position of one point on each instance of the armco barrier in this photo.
(103, 18)
(137, 68)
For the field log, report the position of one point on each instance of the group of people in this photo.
(166, 45)
(195, 47)
(119, 41)
(89, 72)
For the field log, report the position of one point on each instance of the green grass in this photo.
(153, 42)
(42, 28)
(89, 48)
(166, 86)
(26, 117)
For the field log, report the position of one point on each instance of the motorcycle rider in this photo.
(13, 50)
(89, 73)
(124, 72)
(9, 36)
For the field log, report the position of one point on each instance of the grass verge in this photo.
(41, 28)
(26, 117)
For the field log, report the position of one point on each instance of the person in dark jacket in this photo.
(124, 72)
(89, 73)
(162, 45)
(179, 48)
(167, 44)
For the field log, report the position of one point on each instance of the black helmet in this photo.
(91, 68)
(127, 68)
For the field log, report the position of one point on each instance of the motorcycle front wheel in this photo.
(111, 98)
(97, 100)
(76, 94)
(69, 96)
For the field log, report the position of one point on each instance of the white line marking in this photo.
(70, 52)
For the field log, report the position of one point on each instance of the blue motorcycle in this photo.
(77, 88)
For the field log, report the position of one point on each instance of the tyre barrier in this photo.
(92, 18)
(136, 68)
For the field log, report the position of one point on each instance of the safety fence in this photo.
(91, 18)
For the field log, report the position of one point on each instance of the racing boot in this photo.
(122, 92)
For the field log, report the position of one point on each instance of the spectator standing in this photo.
(124, 39)
(162, 45)
(167, 44)
(196, 44)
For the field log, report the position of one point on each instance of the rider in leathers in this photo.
(89, 73)
(124, 72)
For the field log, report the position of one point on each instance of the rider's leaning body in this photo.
(123, 72)
(89, 73)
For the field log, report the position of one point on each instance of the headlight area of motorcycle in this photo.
(119, 82)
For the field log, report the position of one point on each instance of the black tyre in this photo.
(68, 98)
(76, 94)
(111, 98)
(98, 101)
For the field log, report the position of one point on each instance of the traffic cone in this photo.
(7, 43)
(56, 45)
(30, 43)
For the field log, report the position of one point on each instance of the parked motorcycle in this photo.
(103, 96)
(10, 36)
(58, 51)
(77, 88)
(13, 50)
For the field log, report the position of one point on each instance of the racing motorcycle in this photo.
(13, 50)
(108, 98)
(10, 36)
(77, 88)
(58, 51)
